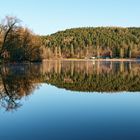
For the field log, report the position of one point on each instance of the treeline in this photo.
(103, 42)
(18, 43)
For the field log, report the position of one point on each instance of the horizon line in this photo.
(62, 30)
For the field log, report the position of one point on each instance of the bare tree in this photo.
(7, 25)
(18, 43)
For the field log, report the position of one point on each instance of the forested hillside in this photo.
(103, 42)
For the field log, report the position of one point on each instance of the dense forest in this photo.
(18, 43)
(102, 42)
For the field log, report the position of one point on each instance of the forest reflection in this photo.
(90, 76)
(20, 80)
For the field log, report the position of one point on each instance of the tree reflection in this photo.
(17, 81)
(90, 76)
(20, 80)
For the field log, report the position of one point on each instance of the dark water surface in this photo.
(70, 100)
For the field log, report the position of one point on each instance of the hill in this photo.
(101, 42)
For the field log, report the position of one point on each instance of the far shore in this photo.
(109, 60)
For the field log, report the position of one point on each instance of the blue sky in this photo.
(49, 16)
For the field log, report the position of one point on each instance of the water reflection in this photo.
(92, 76)
(54, 113)
(17, 81)
(20, 80)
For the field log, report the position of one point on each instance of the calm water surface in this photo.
(70, 100)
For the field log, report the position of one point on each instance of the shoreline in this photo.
(106, 60)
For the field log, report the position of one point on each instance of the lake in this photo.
(70, 100)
